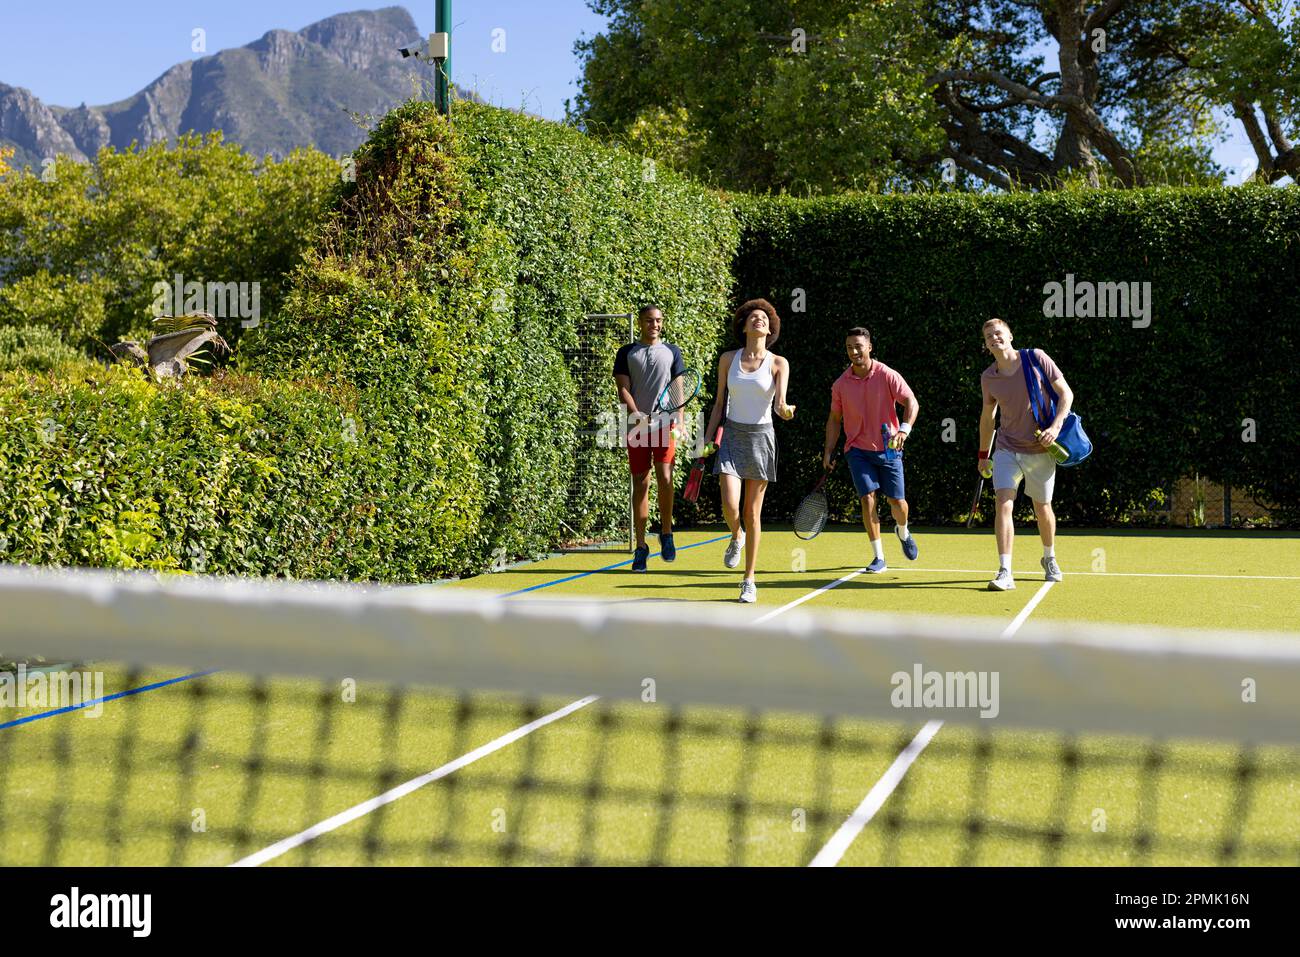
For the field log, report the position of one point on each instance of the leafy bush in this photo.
(223, 474)
(34, 348)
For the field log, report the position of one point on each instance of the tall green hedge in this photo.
(1162, 402)
(451, 289)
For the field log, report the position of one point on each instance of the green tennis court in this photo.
(217, 769)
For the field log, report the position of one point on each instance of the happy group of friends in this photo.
(864, 403)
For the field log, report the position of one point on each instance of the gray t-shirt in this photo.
(650, 368)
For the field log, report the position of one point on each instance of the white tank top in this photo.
(750, 394)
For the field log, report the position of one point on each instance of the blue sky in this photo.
(99, 51)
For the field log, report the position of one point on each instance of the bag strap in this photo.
(1046, 383)
(1036, 399)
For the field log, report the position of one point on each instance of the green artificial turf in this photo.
(631, 782)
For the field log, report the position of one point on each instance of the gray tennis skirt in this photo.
(747, 451)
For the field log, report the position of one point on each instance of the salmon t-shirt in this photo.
(868, 403)
(1016, 430)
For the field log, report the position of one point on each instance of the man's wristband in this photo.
(983, 456)
(905, 427)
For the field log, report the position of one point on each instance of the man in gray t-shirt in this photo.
(642, 369)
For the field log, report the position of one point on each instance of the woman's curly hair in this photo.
(742, 314)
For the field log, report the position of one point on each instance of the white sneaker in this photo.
(1003, 581)
(732, 558)
(1051, 570)
(748, 593)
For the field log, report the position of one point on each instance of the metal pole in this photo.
(631, 486)
(631, 482)
(442, 23)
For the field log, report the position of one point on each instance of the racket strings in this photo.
(680, 391)
(810, 516)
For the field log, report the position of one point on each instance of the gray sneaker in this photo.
(748, 593)
(1003, 581)
(1051, 570)
(732, 558)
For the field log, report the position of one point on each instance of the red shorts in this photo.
(640, 457)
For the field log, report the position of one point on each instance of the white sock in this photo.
(902, 532)
(878, 547)
(1004, 561)
(1049, 551)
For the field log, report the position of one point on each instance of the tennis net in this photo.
(176, 720)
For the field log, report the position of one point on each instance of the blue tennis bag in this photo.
(1072, 438)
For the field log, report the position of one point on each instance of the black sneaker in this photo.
(667, 550)
(639, 558)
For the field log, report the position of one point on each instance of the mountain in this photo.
(282, 91)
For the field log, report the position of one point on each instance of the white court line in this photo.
(388, 797)
(1039, 571)
(848, 832)
(808, 597)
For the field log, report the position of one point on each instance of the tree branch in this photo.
(1103, 13)
(990, 175)
(1019, 90)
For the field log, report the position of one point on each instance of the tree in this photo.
(763, 94)
(82, 245)
(885, 92)
(1244, 56)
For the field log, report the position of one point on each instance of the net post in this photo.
(631, 318)
(631, 484)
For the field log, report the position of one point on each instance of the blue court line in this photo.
(596, 571)
(111, 697)
(204, 674)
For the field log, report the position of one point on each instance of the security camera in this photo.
(405, 52)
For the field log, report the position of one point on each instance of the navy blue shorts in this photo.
(872, 470)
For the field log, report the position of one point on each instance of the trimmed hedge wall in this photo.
(924, 272)
(449, 291)
(224, 474)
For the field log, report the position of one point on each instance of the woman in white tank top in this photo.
(756, 381)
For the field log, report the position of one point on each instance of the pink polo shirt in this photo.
(868, 403)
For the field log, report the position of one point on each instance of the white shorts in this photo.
(1037, 469)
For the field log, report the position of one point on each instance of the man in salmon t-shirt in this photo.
(863, 400)
(1020, 454)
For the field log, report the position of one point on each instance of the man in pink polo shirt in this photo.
(1020, 454)
(863, 400)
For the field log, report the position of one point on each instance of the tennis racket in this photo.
(674, 397)
(692, 491)
(810, 516)
(679, 392)
(979, 486)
